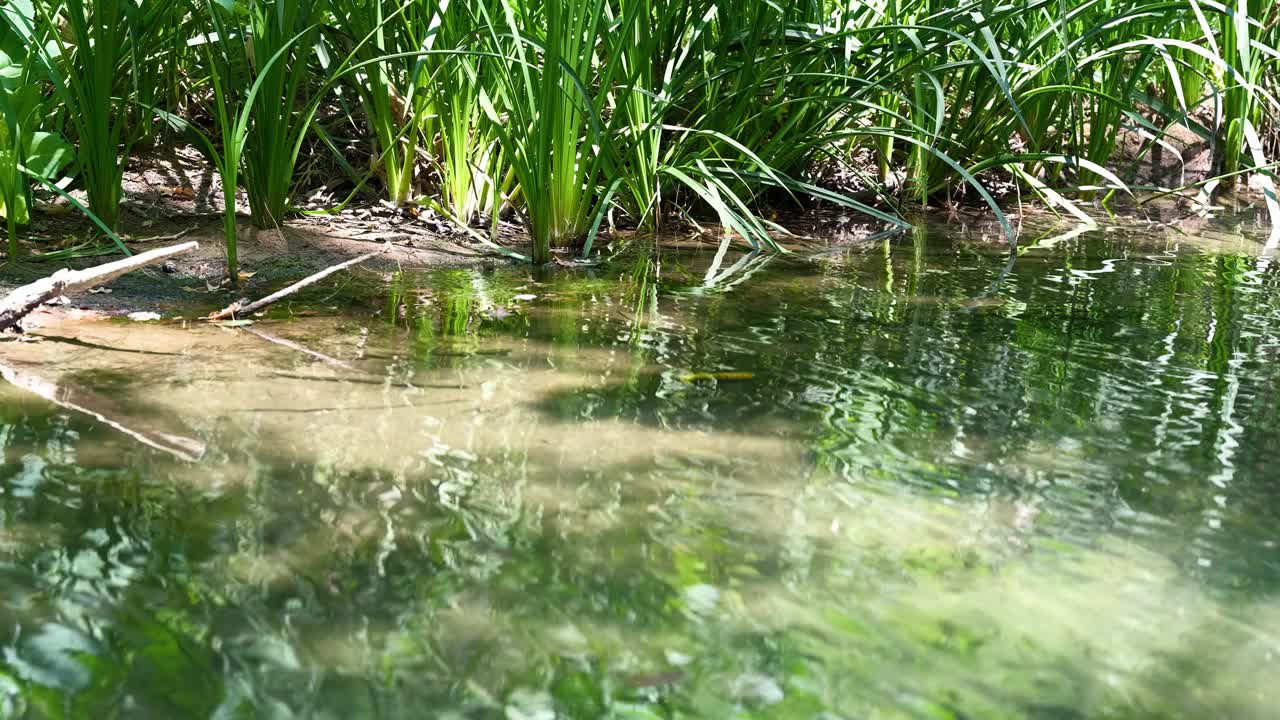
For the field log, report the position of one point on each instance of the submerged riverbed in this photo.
(899, 481)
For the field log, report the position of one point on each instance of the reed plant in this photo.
(419, 88)
(1242, 108)
(21, 104)
(32, 151)
(547, 116)
(473, 177)
(387, 91)
(243, 144)
(574, 115)
(285, 30)
(93, 51)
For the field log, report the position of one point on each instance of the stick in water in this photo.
(238, 309)
(295, 346)
(22, 301)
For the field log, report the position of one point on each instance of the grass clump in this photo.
(570, 116)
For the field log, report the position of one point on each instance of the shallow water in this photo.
(899, 481)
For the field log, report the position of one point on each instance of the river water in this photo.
(907, 479)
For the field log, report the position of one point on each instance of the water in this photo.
(902, 481)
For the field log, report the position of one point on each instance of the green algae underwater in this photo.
(904, 480)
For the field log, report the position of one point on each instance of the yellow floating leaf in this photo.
(731, 376)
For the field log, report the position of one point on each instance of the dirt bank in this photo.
(176, 198)
(267, 260)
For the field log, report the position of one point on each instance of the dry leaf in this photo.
(54, 208)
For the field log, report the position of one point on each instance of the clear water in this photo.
(901, 481)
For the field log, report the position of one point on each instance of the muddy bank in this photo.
(176, 197)
(267, 260)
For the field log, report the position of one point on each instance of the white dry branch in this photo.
(24, 300)
(238, 309)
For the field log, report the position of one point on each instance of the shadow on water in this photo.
(859, 486)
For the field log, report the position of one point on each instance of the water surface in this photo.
(902, 480)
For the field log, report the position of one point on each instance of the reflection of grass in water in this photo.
(940, 653)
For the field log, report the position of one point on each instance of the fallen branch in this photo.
(236, 308)
(24, 300)
(162, 238)
(383, 237)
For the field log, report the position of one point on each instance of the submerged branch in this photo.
(299, 348)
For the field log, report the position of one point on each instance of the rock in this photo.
(169, 266)
(678, 659)
(527, 704)
(144, 316)
(757, 689)
(701, 599)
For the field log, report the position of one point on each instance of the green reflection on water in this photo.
(870, 486)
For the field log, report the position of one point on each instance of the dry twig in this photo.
(237, 309)
(24, 300)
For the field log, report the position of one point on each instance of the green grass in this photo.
(237, 79)
(97, 54)
(287, 30)
(547, 118)
(572, 116)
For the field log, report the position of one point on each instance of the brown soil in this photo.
(177, 197)
(1181, 158)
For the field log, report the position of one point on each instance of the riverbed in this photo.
(912, 478)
